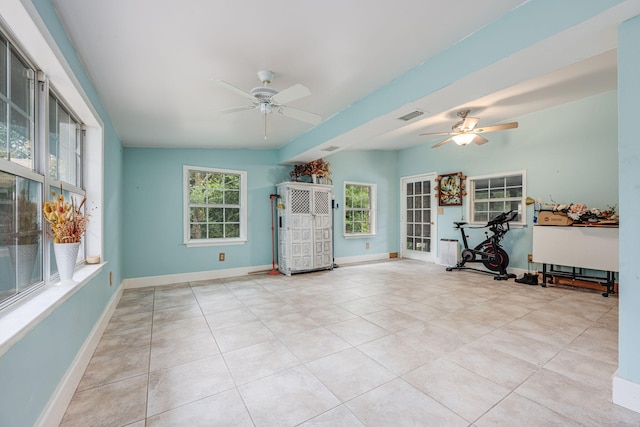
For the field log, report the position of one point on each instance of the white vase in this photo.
(66, 256)
(314, 178)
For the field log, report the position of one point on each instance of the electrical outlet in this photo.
(366, 245)
(530, 257)
(111, 278)
(221, 256)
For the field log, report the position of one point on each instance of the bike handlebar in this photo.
(503, 217)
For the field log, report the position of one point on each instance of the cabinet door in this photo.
(322, 228)
(301, 229)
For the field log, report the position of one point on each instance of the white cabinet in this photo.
(304, 227)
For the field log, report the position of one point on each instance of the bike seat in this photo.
(459, 224)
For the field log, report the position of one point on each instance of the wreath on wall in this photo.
(450, 188)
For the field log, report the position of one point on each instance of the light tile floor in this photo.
(383, 344)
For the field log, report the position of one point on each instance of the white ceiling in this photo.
(155, 63)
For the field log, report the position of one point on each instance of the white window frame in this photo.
(373, 192)
(26, 31)
(243, 208)
(471, 185)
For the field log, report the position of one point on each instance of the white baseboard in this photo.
(626, 393)
(169, 279)
(362, 258)
(53, 413)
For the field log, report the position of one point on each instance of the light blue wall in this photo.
(153, 231)
(569, 153)
(629, 94)
(153, 183)
(32, 368)
(371, 167)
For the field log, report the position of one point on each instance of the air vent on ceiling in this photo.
(332, 148)
(412, 115)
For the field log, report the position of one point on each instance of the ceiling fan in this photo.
(465, 132)
(267, 100)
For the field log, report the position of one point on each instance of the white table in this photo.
(593, 248)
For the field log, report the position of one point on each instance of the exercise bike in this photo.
(489, 252)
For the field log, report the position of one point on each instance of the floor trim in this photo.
(169, 279)
(53, 413)
(626, 393)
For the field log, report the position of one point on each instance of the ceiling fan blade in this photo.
(496, 127)
(237, 90)
(290, 94)
(439, 133)
(469, 123)
(442, 143)
(234, 110)
(301, 115)
(480, 140)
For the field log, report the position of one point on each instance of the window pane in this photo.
(20, 234)
(216, 231)
(198, 215)
(496, 182)
(410, 189)
(65, 154)
(497, 194)
(232, 215)
(19, 138)
(482, 184)
(4, 123)
(232, 197)
(514, 192)
(198, 231)
(216, 215)
(21, 80)
(496, 206)
(232, 230)
(3, 66)
(481, 194)
(514, 180)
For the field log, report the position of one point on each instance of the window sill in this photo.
(23, 316)
(359, 236)
(216, 243)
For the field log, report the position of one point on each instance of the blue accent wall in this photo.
(153, 216)
(629, 94)
(369, 167)
(569, 153)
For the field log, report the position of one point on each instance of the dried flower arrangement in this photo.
(68, 222)
(316, 167)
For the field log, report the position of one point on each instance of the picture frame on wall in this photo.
(450, 189)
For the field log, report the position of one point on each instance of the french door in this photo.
(418, 217)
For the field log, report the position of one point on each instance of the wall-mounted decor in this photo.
(450, 188)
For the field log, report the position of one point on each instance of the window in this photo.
(215, 206)
(28, 174)
(17, 106)
(65, 145)
(492, 194)
(359, 209)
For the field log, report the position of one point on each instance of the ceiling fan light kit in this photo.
(463, 138)
(465, 132)
(267, 100)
